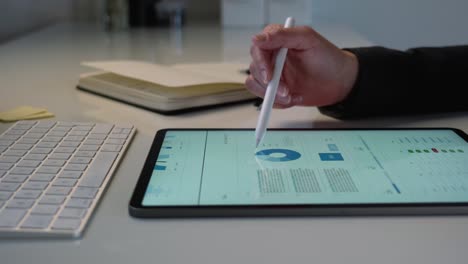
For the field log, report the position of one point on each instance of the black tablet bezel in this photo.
(136, 208)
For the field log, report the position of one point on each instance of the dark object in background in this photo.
(151, 13)
(142, 13)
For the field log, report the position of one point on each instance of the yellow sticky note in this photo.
(24, 112)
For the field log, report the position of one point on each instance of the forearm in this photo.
(393, 82)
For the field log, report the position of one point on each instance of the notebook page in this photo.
(163, 75)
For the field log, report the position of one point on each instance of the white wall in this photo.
(393, 23)
(20, 16)
(400, 23)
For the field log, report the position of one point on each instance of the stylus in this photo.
(272, 87)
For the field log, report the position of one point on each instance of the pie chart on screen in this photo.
(278, 155)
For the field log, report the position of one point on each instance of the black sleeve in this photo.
(420, 80)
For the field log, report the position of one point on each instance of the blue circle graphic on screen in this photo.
(278, 155)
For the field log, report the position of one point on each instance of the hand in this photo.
(315, 73)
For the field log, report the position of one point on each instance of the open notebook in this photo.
(167, 89)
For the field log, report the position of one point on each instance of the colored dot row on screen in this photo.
(435, 150)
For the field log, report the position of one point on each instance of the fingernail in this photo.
(284, 100)
(260, 37)
(264, 76)
(298, 100)
(283, 92)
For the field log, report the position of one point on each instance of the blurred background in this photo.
(397, 24)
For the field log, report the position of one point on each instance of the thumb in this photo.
(276, 37)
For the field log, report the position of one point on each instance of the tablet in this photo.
(219, 172)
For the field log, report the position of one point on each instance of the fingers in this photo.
(282, 98)
(255, 87)
(259, 73)
(262, 61)
(275, 36)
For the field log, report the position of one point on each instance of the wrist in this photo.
(349, 75)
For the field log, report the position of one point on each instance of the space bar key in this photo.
(98, 170)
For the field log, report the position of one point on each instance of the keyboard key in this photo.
(73, 213)
(79, 203)
(66, 223)
(93, 142)
(39, 157)
(64, 150)
(4, 195)
(64, 182)
(29, 163)
(97, 136)
(62, 128)
(58, 190)
(22, 146)
(37, 150)
(46, 124)
(28, 141)
(89, 148)
(42, 130)
(16, 132)
(88, 154)
(84, 192)
(35, 185)
(9, 186)
(51, 139)
(2, 172)
(42, 177)
(96, 172)
(118, 136)
(74, 138)
(15, 178)
(9, 159)
(6, 143)
(80, 160)
(3, 149)
(57, 133)
(37, 221)
(20, 203)
(115, 141)
(34, 135)
(83, 128)
(70, 174)
(10, 137)
(47, 145)
(22, 170)
(78, 133)
(25, 124)
(52, 199)
(111, 148)
(75, 167)
(6, 166)
(45, 209)
(72, 144)
(11, 217)
(28, 194)
(48, 170)
(60, 156)
(54, 163)
(15, 152)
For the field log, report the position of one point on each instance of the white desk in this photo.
(42, 69)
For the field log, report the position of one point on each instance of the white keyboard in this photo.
(53, 174)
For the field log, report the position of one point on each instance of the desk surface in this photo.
(42, 69)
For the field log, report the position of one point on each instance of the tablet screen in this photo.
(223, 167)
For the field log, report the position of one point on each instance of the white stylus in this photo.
(272, 87)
